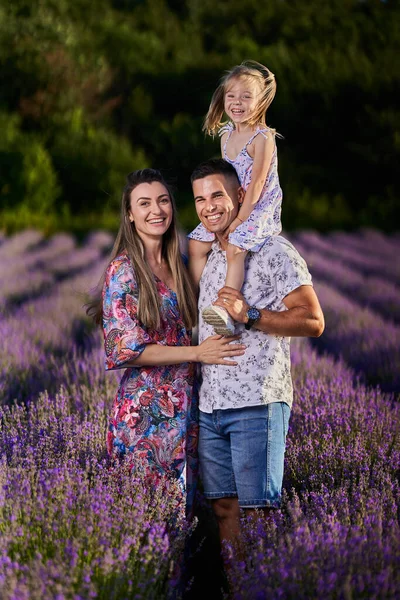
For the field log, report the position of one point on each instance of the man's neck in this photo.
(222, 238)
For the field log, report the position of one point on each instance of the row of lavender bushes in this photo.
(358, 284)
(73, 527)
(337, 534)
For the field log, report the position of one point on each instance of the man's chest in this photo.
(258, 289)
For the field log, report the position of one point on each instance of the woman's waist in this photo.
(154, 376)
(144, 389)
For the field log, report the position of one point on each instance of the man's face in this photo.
(217, 201)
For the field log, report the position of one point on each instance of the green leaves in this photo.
(27, 172)
(94, 90)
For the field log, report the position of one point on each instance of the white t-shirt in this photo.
(263, 372)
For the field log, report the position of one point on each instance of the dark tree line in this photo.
(91, 91)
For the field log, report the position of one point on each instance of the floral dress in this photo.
(154, 418)
(265, 218)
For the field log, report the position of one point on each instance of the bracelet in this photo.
(239, 219)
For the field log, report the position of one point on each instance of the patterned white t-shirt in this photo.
(263, 373)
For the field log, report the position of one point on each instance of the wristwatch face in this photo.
(253, 314)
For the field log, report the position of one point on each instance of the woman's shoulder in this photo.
(120, 266)
(119, 261)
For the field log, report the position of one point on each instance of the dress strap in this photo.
(228, 128)
(263, 133)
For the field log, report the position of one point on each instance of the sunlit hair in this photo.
(252, 71)
(128, 241)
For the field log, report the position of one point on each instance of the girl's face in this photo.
(241, 99)
(151, 210)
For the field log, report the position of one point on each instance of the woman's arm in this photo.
(127, 342)
(124, 336)
(213, 351)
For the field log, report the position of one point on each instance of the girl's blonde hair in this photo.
(249, 69)
(128, 241)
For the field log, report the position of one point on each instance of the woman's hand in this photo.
(217, 348)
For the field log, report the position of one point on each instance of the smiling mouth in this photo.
(214, 218)
(237, 111)
(156, 221)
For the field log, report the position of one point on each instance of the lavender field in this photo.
(73, 528)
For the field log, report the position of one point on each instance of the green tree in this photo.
(27, 172)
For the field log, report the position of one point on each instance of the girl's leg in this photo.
(197, 258)
(217, 316)
(235, 269)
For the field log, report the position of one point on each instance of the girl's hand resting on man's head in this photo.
(216, 349)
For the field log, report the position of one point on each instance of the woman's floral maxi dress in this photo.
(154, 417)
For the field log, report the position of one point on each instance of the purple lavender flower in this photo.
(75, 526)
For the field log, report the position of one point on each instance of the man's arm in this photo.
(304, 316)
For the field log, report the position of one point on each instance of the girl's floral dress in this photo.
(265, 218)
(154, 418)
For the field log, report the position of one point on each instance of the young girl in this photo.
(244, 95)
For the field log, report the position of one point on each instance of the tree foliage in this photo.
(91, 91)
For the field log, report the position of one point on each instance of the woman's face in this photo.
(151, 210)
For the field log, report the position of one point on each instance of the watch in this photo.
(253, 314)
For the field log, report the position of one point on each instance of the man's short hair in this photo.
(214, 166)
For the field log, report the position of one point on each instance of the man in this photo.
(244, 411)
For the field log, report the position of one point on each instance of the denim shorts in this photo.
(241, 453)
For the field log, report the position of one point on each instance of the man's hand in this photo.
(303, 316)
(233, 301)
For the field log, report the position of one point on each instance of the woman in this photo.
(149, 310)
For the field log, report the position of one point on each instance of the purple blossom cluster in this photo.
(337, 534)
(41, 336)
(75, 526)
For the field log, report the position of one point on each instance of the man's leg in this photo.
(258, 441)
(227, 513)
(217, 473)
(242, 452)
